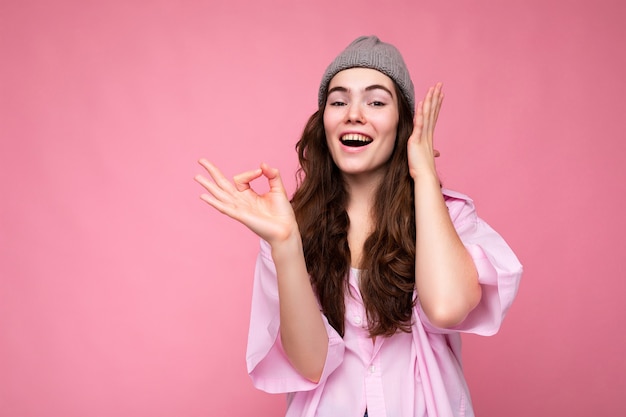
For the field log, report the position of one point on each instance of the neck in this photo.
(361, 199)
(361, 190)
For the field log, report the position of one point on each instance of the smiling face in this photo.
(361, 122)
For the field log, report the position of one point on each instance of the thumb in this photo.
(273, 178)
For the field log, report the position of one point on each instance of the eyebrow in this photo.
(368, 88)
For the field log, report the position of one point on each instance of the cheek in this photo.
(394, 129)
(326, 125)
(391, 131)
(392, 137)
(393, 126)
(330, 128)
(385, 123)
(329, 120)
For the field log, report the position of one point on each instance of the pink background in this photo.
(122, 294)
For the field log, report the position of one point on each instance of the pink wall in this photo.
(122, 294)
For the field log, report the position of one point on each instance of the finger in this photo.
(426, 110)
(428, 100)
(204, 181)
(273, 178)
(418, 120)
(222, 207)
(216, 191)
(208, 165)
(436, 153)
(438, 108)
(220, 199)
(217, 175)
(242, 181)
(436, 105)
(432, 99)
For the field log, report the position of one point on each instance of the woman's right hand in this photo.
(303, 333)
(269, 215)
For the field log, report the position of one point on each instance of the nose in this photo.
(355, 113)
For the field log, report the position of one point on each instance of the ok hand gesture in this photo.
(269, 215)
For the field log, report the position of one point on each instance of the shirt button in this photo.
(357, 320)
(372, 369)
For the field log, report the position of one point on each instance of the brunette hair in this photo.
(387, 280)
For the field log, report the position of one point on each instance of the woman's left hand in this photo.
(421, 153)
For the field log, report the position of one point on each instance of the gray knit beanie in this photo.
(371, 52)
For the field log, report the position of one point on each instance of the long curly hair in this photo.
(388, 271)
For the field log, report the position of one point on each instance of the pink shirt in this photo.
(405, 375)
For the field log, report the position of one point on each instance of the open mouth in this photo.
(355, 140)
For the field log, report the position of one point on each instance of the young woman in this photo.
(367, 277)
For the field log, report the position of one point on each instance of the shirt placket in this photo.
(374, 389)
(369, 353)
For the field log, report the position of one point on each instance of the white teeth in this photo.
(356, 136)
